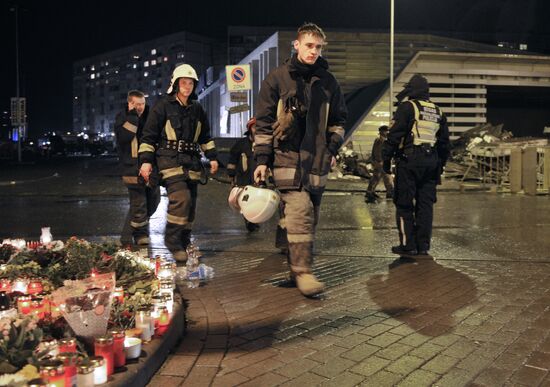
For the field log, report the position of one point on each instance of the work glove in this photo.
(386, 166)
(285, 127)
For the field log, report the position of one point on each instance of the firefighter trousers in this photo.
(300, 215)
(143, 203)
(182, 203)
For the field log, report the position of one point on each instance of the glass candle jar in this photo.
(118, 294)
(85, 375)
(20, 285)
(67, 344)
(24, 304)
(5, 285)
(53, 371)
(35, 286)
(163, 321)
(103, 346)
(118, 347)
(70, 360)
(143, 322)
(100, 369)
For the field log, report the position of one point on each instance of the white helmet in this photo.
(233, 198)
(258, 204)
(182, 71)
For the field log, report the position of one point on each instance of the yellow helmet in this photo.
(182, 71)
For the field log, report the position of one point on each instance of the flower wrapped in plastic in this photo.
(86, 304)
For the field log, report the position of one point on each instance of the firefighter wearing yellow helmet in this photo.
(175, 134)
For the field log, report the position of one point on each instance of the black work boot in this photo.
(403, 251)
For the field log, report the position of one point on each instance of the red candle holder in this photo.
(67, 345)
(5, 285)
(24, 304)
(104, 347)
(54, 372)
(38, 307)
(163, 321)
(70, 360)
(35, 286)
(118, 347)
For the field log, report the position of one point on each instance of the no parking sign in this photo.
(238, 77)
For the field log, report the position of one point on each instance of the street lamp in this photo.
(391, 57)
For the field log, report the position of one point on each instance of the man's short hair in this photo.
(135, 93)
(311, 28)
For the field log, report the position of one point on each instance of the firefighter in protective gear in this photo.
(241, 164)
(300, 126)
(144, 199)
(174, 135)
(377, 162)
(419, 141)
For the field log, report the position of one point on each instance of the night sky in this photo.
(53, 34)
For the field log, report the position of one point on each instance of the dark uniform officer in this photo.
(419, 140)
(241, 163)
(144, 199)
(175, 132)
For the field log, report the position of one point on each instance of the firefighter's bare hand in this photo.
(214, 167)
(285, 127)
(332, 162)
(260, 174)
(145, 171)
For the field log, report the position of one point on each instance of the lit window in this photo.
(146, 63)
(106, 63)
(92, 76)
(116, 71)
(166, 59)
(75, 97)
(154, 82)
(97, 75)
(136, 56)
(93, 68)
(83, 69)
(153, 62)
(523, 46)
(145, 74)
(134, 66)
(154, 51)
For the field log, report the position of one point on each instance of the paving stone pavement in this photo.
(380, 322)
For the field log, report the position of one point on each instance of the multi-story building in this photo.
(101, 83)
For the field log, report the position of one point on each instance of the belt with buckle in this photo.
(181, 146)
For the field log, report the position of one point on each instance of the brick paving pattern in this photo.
(380, 323)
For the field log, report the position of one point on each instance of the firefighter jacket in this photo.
(176, 134)
(128, 129)
(304, 160)
(417, 124)
(241, 163)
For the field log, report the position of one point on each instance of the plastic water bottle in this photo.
(205, 272)
(192, 267)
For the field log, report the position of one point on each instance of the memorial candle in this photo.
(118, 347)
(104, 347)
(54, 372)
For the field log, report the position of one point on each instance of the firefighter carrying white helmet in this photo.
(182, 71)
